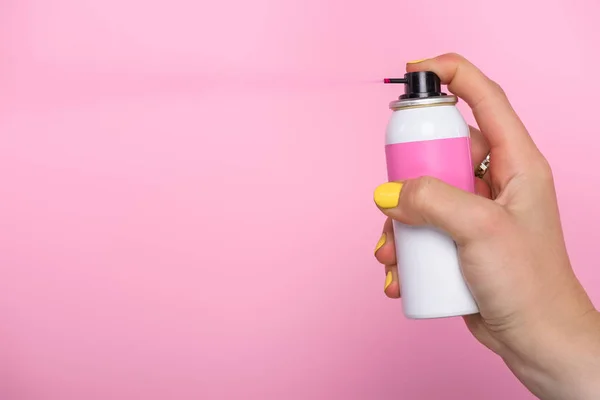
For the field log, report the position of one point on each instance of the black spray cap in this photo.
(419, 85)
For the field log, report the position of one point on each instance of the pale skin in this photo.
(534, 313)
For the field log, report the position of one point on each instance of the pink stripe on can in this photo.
(446, 159)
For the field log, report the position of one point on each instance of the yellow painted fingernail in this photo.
(388, 280)
(386, 195)
(417, 61)
(381, 242)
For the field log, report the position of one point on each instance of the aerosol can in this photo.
(427, 136)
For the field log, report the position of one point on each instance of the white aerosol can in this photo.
(427, 136)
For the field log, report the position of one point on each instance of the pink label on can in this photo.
(446, 159)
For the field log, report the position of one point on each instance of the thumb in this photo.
(429, 201)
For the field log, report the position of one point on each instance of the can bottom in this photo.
(460, 313)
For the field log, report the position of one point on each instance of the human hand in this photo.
(533, 311)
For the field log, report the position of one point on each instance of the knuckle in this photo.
(455, 57)
(544, 169)
(540, 170)
(420, 191)
(499, 90)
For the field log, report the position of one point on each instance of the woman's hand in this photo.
(533, 311)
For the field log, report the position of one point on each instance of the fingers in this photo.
(385, 249)
(392, 284)
(479, 150)
(429, 201)
(479, 146)
(482, 188)
(508, 139)
(385, 252)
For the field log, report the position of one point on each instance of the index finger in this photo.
(508, 138)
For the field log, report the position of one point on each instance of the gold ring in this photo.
(483, 167)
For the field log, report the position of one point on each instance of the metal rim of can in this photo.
(423, 102)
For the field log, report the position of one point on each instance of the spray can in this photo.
(427, 136)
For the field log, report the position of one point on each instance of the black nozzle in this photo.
(419, 85)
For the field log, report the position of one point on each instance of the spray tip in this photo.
(419, 84)
(395, 80)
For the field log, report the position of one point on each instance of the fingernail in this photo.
(417, 61)
(388, 280)
(386, 195)
(381, 242)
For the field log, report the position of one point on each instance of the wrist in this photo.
(560, 360)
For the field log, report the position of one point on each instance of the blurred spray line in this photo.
(8, 23)
(54, 87)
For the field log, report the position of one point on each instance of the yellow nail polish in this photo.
(417, 61)
(386, 195)
(381, 242)
(388, 280)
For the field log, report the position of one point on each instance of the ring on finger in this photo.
(483, 167)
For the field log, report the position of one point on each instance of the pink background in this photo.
(186, 198)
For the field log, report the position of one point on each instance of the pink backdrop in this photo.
(186, 198)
